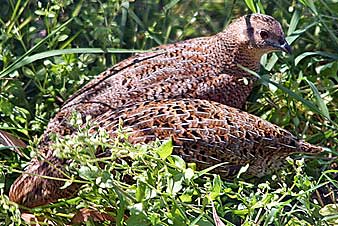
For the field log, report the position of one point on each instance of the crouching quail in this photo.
(202, 131)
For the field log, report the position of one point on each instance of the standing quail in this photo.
(202, 131)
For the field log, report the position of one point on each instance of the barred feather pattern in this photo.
(203, 132)
(186, 91)
(201, 68)
(208, 133)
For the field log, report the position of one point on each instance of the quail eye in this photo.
(264, 34)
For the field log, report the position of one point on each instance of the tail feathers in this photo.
(310, 148)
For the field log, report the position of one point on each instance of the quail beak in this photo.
(282, 45)
(285, 47)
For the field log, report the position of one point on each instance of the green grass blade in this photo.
(260, 7)
(306, 103)
(51, 53)
(14, 17)
(9, 69)
(77, 9)
(322, 106)
(294, 22)
(310, 4)
(202, 172)
(321, 53)
(251, 5)
(271, 62)
(292, 37)
(170, 5)
(141, 24)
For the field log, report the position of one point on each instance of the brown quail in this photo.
(202, 131)
(201, 68)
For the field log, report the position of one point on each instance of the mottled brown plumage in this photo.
(201, 69)
(208, 133)
(203, 132)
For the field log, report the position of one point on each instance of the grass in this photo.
(49, 50)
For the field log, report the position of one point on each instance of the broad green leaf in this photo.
(140, 191)
(165, 149)
(177, 161)
(62, 38)
(88, 173)
(77, 8)
(189, 174)
(216, 187)
(329, 69)
(138, 219)
(292, 37)
(204, 222)
(186, 198)
(260, 7)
